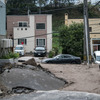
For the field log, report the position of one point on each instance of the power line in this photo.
(95, 4)
(35, 35)
(57, 9)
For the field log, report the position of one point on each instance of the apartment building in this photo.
(30, 30)
(94, 31)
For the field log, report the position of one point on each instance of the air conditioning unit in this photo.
(6, 43)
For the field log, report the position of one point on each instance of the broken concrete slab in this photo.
(54, 95)
(11, 61)
(34, 79)
(26, 58)
(31, 67)
(30, 62)
(23, 59)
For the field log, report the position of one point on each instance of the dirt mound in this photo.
(31, 62)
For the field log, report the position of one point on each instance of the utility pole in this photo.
(86, 34)
(40, 4)
(40, 9)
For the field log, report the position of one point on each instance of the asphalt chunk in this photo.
(33, 79)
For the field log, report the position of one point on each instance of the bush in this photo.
(10, 55)
(14, 55)
(51, 54)
(5, 57)
(55, 50)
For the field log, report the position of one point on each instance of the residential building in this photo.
(2, 19)
(30, 30)
(94, 31)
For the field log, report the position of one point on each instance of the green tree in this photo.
(19, 7)
(71, 39)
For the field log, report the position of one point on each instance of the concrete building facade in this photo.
(2, 19)
(31, 31)
(94, 31)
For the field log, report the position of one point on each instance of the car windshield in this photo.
(98, 58)
(58, 56)
(39, 48)
(19, 48)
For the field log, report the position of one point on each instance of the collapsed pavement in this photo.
(31, 92)
(28, 77)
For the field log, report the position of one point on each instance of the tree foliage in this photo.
(20, 7)
(71, 39)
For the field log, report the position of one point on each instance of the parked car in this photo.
(19, 49)
(40, 51)
(63, 58)
(96, 57)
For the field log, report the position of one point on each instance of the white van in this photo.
(19, 49)
(96, 57)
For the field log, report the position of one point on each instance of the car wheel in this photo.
(73, 62)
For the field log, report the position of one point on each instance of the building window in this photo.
(22, 41)
(25, 28)
(40, 42)
(90, 29)
(23, 24)
(40, 25)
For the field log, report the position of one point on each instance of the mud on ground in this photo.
(80, 77)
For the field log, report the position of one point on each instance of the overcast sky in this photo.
(94, 1)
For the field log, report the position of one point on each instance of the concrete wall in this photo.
(2, 19)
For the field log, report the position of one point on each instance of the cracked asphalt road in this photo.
(34, 79)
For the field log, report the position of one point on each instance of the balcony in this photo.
(21, 24)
